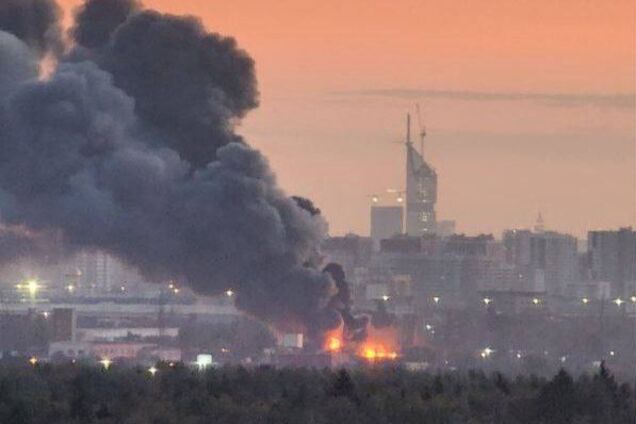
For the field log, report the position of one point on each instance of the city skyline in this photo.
(442, 189)
(529, 107)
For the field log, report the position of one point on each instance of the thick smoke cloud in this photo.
(96, 21)
(189, 86)
(36, 22)
(134, 153)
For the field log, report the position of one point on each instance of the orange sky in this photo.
(331, 137)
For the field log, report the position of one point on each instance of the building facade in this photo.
(612, 258)
(386, 222)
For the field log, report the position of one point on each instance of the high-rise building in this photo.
(63, 325)
(445, 228)
(97, 270)
(421, 190)
(545, 261)
(386, 222)
(612, 258)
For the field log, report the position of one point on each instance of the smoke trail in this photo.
(132, 151)
(36, 22)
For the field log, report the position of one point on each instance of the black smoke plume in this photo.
(36, 22)
(190, 87)
(96, 20)
(355, 328)
(129, 147)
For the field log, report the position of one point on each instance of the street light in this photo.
(585, 300)
(32, 287)
(229, 293)
(152, 371)
(619, 301)
(536, 301)
(436, 299)
(386, 298)
(106, 363)
(487, 301)
(33, 360)
(486, 353)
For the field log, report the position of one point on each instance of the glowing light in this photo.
(204, 361)
(487, 300)
(386, 298)
(375, 199)
(152, 371)
(436, 299)
(106, 363)
(429, 327)
(536, 301)
(612, 353)
(334, 344)
(400, 199)
(486, 353)
(379, 352)
(70, 288)
(585, 300)
(33, 360)
(619, 301)
(176, 290)
(171, 286)
(32, 287)
(229, 293)
(123, 288)
(633, 299)
(45, 314)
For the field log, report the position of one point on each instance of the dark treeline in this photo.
(81, 394)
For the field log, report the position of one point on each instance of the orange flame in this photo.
(376, 352)
(334, 344)
(381, 345)
(333, 341)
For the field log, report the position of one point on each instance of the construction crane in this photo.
(398, 193)
(421, 128)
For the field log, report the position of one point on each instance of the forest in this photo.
(175, 393)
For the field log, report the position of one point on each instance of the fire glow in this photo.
(334, 341)
(334, 344)
(376, 352)
(379, 345)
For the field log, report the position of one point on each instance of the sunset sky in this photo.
(529, 105)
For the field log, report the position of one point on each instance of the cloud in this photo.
(605, 100)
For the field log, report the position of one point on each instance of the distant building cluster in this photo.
(428, 294)
(408, 239)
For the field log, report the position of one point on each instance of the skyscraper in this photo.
(613, 259)
(421, 190)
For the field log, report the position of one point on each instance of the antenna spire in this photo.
(421, 127)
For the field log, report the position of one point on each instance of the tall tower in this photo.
(421, 190)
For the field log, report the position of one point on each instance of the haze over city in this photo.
(529, 106)
(331, 213)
